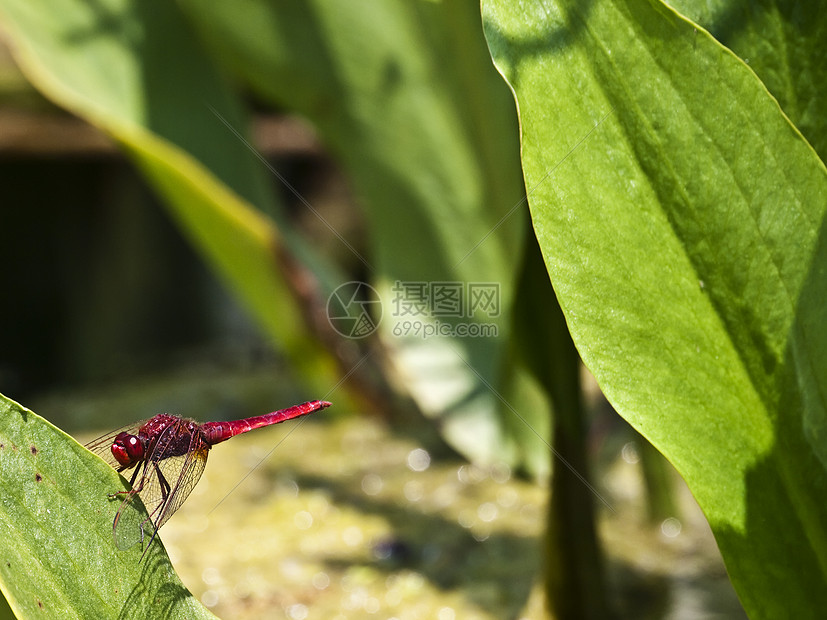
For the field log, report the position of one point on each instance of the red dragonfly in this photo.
(169, 455)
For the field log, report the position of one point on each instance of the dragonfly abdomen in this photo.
(216, 432)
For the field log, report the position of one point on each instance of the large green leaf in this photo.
(57, 555)
(785, 43)
(406, 97)
(684, 238)
(132, 69)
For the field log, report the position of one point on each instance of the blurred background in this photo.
(108, 289)
(423, 493)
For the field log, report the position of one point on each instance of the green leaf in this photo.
(57, 554)
(410, 104)
(785, 43)
(133, 69)
(681, 216)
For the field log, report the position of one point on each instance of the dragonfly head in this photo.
(127, 450)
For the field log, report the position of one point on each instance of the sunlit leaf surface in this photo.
(681, 219)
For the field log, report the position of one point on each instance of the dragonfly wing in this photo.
(133, 522)
(131, 525)
(188, 475)
(162, 489)
(178, 474)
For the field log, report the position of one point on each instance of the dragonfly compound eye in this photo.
(127, 449)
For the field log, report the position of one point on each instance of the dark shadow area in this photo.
(165, 601)
(756, 31)
(782, 547)
(101, 282)
(104, 292)
(513, 49)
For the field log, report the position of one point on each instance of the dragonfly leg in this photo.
(165, 487)
(133, 490)
(135, 475)
(141, 467)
